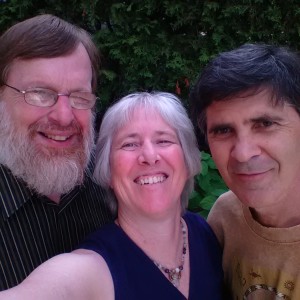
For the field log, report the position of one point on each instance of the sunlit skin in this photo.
(60, 126)
(148, 175)
(256, 147)
(147, 149)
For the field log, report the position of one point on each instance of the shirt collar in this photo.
(14, 192)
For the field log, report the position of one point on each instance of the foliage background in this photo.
(164, 44)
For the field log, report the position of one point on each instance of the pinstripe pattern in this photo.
(33, 229)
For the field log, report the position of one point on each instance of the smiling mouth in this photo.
(151, 180)
(58, 138)
(253, 173)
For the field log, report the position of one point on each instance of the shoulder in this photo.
(203, 241)
(91, 263)
(199, 227)
(105, 241)
(227, 203)
(195, 219)
(229, 196)
(225, 214)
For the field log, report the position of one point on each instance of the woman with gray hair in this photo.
(147, 157)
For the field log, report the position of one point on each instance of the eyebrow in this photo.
(159, 133)
(264, 117)
(214, 127)
(258, 119)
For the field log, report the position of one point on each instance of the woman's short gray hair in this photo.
(172, 111)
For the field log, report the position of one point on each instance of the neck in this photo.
(282, 220)
(162, 242)
(174, 274)
(159, 239)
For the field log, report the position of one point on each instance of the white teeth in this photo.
(151, 180)
(57, 137)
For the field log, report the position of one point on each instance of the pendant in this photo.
(174, 276)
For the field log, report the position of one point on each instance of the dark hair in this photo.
(247, 69)
(44, 36)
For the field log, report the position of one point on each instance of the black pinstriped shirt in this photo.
(33, 228)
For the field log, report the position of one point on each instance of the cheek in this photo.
(184, 170)
(85, 119)
(26, 116)
(220, 156)
(180, 164)
(16, 110)
(120, 168)
(121, 186)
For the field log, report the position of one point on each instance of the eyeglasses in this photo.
(46, 98)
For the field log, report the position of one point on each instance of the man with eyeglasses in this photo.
(48, 202)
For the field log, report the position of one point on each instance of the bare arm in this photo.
(79, 275)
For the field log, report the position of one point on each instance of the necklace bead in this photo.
(174, 274)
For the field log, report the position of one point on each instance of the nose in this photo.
(148, 155)
(62, 111)
(244, 149)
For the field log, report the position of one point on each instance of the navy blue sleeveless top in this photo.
(136, 277)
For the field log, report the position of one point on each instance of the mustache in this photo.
(253, 166)
(74, 127)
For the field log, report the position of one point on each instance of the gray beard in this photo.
(55, 171)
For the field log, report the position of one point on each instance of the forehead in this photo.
(245, 107)
(142, 119)
(73, 69)
(139, 114)
(145, 113)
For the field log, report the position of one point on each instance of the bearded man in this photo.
(48, 201)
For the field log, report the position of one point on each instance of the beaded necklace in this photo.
(174, 274)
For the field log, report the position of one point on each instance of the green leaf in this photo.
(204, 168)
(218, 192)
(110, 75)
(205, 156)
(207, 202)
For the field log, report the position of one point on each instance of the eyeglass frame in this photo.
(55, 98)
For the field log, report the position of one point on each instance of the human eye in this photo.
(38, 92)
(129, 146)
(220, 131)
(83, 99)
(164, 142)
(165, 139)
(264, 123)
(40, 97)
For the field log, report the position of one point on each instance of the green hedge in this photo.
(208, 187)
(164, 44)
